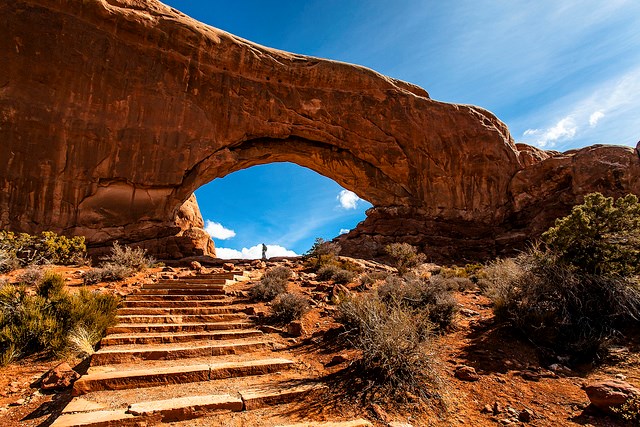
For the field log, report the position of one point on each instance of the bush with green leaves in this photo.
(289, 306)
(273, 283)
(600, 236)
(22, 249)
(43, 321)
(405, 256)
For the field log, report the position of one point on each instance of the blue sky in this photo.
(561, 73)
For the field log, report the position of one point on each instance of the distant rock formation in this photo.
(113, 112)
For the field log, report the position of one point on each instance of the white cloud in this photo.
(594, 118)
(344, 230)
(564, 129)
(348, 199)
(218, 231)
(254, 252)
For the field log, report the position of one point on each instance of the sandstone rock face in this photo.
(113, 112)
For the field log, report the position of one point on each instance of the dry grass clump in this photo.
(396, 344)
(323, 259)
(122, 262)
(31, 276)
(336, 274)
(272, 284)
(289, 306)
(43, 321)
(421, 296)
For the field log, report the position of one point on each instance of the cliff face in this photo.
(113, 112)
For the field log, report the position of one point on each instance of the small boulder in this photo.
(609, 394)
(337, 360)
(228, 266)
(296, 329)
(526, 415)
(60, 377)
(466, 373)
(195, 265)
(258, 263)
(170, 269)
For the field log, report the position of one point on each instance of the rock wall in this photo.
(113, 112)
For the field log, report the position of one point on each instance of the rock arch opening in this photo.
(281, 204)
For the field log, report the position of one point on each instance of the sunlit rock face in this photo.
(113, 112)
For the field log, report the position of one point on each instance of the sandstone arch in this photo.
(112, 112)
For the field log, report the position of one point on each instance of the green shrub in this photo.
(343, 276)
(327, 272)
(272, 284)
(288, 306)
(31, 323)
(630, 410)
(405, 256)
(395, 344)
(45, 248)
(600, 236)
(107, 273)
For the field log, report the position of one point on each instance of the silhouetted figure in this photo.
(264, 251)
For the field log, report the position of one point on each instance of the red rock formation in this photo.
(113, 112)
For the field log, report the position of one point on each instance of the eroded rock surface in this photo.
(113, 112)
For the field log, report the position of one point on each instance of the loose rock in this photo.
(60, 377)
(609, 394)
(466, 373)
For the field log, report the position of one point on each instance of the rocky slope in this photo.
(113, 112)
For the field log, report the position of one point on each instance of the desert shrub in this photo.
(8, 261)
(395, 345)
(135, 259)
(404, 256)
(335, 273)
(31, 323)
(343, 276)
(559, 307)
(122, 262)
(107, 273)
(630, 410)
(422, 297)
(45, 248)
(322, 253)
(600, 236)
(31, 276)
(452, 283)
(272, 284)
(288, 306)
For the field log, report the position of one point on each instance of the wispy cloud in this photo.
(254, 252)
(348, 199)
(344, 230)
(594, 118)
(565, 129)
(218, 231)
(581, 116)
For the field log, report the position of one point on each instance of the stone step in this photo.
(181, 292)
(269, 395)
(121, 378)
(179, 309)
(115, 354)
(167, 303)
(146, 297)
(186, 408)
(115, 418)
(181, 282)
(353, 423)
(231, 275)
(132, 328)
(182, 286)
(179, 318)
(172, 337)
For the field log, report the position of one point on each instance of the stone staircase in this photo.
(186, 348)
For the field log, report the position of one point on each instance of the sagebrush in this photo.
(122, 262)
(289, 306)
(273, 283)
(43, 321)
(22, 249)
(405, 256)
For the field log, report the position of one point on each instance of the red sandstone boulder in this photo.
(609, 394)
(60, 377)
